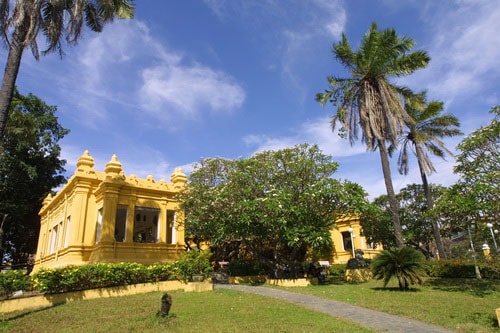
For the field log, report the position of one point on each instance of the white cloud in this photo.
(465, 49)
(125, 65)
(187, 90)
(316, 132)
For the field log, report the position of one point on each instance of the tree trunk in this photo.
(393, 204)
(10, 75)
(430, 204)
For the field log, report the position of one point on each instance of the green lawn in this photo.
(217, 311)
(464, 305)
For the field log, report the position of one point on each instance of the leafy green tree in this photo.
(404, 264)
(55, 19)
(474, 198)
(424, 132)
(415, 222)
(30, 166)
(272, 207)
(478, 164)
(376, 222)
(368, 99)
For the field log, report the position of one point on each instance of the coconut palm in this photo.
(403, 264)
(423, 135)
(55, 19)
(367, 98)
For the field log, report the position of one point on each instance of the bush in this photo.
(246, 268)
(13, 280)
(404, 264)
(192, 263)
(100, 275)
(490, 269)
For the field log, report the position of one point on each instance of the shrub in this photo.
(13, 280)
(192, 263)
(405, 264)
(100, 275)
(246, 268)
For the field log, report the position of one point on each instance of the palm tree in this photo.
(403, 264)
(368, 100)
(54, 19)
(423, 135)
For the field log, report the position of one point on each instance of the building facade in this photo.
(109, 217)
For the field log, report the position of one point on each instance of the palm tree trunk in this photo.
(430, 204)
(393, 204)
(10, 75)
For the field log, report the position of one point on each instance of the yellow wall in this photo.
(341, 238)
(109, 217)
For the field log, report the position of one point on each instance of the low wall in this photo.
(43, 301)
(304, 282)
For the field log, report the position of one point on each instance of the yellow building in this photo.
(347, 238)
(109, 217)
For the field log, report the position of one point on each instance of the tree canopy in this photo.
(274, 206)
(30, 166)
(416, 224)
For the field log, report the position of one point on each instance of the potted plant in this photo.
(194, 266)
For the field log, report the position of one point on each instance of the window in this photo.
(66, 236)
(120, 223)
(98, 226)
(171, 236)
(146, 224)
(53, 239)
(347, 241)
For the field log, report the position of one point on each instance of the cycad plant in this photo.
(405, 264)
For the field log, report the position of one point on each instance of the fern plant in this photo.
(405, 264)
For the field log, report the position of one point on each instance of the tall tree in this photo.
(55, 19)
(423, 134)
(273, 206)
(30, 166)
(367, 98)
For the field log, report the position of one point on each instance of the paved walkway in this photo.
(376, 320)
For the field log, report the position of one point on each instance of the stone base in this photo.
(358, 275)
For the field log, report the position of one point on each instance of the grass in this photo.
(464, 305)
(217, 311)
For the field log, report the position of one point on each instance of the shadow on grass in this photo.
(480, 288)
(396, 289)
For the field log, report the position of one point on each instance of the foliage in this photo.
(272, 207)
(415, 222)
(246, 268)
(13, 280)
(192, 263)
(478, 163)
(474, 198)
(21, 25)
(368, 100)
(30, 166)
(100, 275)
(490, 269)
(376, 223)
(404, 264)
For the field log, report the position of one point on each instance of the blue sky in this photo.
(191, 79)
